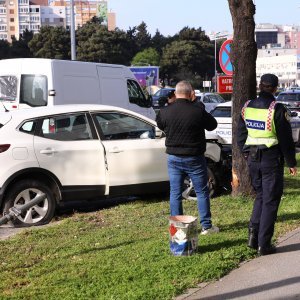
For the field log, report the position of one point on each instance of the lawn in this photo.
(122, 252)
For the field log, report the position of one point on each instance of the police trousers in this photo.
(266, 171)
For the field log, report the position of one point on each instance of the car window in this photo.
(8, 88)
(28, 127)
(220, 99)
(206, 99)
(66, 128)
(34, 90)
(221, 112)
(213, 99)
(117, 126)
(158, 93)
(289, 97)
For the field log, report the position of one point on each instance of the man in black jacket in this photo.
(184, 125)
(265, 138)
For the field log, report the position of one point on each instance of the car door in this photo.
(66, 147)
(134, 155)
(224, 119)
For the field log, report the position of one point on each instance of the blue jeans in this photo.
(179, 168)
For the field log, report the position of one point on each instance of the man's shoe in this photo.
(211, 230)
(253, 239)
(266, 250)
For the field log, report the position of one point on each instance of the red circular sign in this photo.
(224, 58)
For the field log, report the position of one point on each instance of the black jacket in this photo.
(184, 124)
(286, 145)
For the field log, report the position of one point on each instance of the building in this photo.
(84, 11)
(285, 36)
(19, 15)
(279, 52)
(111, 21)
(53, 16)
(283, 62)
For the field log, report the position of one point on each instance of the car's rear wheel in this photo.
(25, 191)
(189, 192)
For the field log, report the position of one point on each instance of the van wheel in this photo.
(24, 191)
(189, 192)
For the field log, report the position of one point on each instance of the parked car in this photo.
(222, 113)
(160, 94)
(210, 100)
(73, 152)
(290, 98)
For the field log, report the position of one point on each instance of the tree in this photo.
(148, 56)
(4, 49)
(20, 48)
(51, 42)
(142, 37)
(243, 58)
(97, 44)
(158, 41)
(190, 56)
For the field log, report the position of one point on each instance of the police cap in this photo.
(269, 79)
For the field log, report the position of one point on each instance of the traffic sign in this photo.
(224, 58)
(224, 84)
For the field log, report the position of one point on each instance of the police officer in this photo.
(265, 138)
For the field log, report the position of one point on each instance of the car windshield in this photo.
(162, 92)
(289, 97)
(8, 88)
(221, 112)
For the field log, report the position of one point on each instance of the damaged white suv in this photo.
(73, 152)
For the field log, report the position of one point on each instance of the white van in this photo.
(30, 82)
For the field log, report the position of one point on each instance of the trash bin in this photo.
(183, 235)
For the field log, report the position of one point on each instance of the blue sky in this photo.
(170, 16)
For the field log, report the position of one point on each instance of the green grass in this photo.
(123, 252)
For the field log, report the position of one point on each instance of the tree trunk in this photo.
(243, 58)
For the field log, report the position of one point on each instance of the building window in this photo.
(12, 28)
(12, 19)
(11, 11)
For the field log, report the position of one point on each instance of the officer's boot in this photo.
(253, 238)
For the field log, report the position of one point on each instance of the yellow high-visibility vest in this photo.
(260, 125)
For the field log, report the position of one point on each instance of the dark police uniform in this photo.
(266, 165)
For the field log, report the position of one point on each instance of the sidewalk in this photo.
(275, 276)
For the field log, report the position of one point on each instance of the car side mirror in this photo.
(159, 133)
(294, 114)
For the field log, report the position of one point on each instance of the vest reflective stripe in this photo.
(260, 141)
(260, 125)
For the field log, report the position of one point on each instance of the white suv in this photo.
(79, 152)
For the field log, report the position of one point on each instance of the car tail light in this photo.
(4, 147)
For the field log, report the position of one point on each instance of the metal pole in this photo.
(72, 29)
(215, 64)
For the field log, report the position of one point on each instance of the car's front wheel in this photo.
(189, 192)
(25, 191)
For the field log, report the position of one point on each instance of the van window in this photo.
(8, 88)
(136, 95)
(34, 90)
